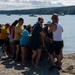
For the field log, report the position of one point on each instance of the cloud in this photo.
(31, 4)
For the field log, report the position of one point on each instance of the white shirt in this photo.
(57, 35)
(10, 38)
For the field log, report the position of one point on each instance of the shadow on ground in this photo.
(29, 69)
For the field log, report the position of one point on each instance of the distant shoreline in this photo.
(50, 10)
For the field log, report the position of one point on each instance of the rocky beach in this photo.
(9, 67)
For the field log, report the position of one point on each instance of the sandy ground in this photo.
(10, 67)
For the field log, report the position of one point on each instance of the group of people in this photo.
(24, 39)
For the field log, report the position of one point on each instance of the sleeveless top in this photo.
(57, 35)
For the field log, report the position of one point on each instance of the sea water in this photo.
(67, 21)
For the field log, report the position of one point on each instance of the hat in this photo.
(48, 22)
(54, 16)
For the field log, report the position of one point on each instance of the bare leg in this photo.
(59, 62)
(11, 48)
(51, 59)
(61, 54)
(4, 49)
(23, 50)
(38, 57)
(17, 51)
(34, 56)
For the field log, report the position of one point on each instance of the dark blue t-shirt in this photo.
(36, 32)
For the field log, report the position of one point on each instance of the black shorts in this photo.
(23, 46)
(56, 47)
(36, 45)
(3, 42)
(17, 42)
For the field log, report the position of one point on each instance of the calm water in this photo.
(67, 21)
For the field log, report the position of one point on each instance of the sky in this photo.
(33, 4)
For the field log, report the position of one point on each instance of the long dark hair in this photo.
(13, 24)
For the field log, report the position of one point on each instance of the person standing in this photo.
(18, 32)
(36, 42)
(24, 43)
(11, 37)
(57, 44)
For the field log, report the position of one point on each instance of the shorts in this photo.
(3, 42)
(56, 47)
(23, 46)
(36, 45)
(17, 42)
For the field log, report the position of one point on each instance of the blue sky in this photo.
(32, 4)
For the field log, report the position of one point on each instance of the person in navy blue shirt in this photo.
(36, 41)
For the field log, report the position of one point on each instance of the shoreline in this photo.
(67, 55)
(64, 53)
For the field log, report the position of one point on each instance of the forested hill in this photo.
(66, 10)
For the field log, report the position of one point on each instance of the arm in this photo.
(62, 30)
(26, 34)
(13, 31)
(42, 34)
(29, 36)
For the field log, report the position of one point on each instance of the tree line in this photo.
(66, 10)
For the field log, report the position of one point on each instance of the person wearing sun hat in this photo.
(48, 23)
(48, 35)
